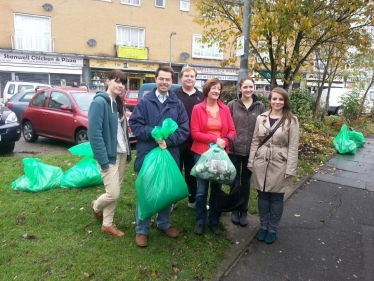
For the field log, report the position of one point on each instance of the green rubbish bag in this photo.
(343, 144)
(38, 176)
(159, 183)
(357, 137)
(85, 173)
(215, 165)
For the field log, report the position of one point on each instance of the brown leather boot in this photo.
(141, 240)
(99, 215)
(171, 232)
(112, 230)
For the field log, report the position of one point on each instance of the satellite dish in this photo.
(48, 7)
(184, 56)
(92, 42)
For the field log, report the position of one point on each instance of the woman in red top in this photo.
(211, 122)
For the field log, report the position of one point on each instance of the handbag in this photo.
(227, 202)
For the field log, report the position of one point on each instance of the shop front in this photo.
(55, 70)
(137, 72)
(229, 76)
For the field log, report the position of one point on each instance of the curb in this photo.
(241, 237)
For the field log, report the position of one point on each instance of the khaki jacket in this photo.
(277, 157)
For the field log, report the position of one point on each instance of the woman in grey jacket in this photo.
(274, 162)
(244, 111)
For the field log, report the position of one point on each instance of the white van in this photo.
(13, 87)
(334, 101)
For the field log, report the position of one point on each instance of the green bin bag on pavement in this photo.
(85, 173)
(357, 137)
(160, 182)
(343, 144)
(38, 176)
(215, 165)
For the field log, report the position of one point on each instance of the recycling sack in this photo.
(160, 182)
(343, 144)
(357, 137)
(86, 172)
(215, 165)
(38, 176)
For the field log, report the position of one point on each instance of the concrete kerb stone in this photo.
(241, 237)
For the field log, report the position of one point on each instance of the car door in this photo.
(59, 123)
(34, 113)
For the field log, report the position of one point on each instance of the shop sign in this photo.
(220, 77)
(132, 53)
(40, 59)
(218, 71)
(111, 64)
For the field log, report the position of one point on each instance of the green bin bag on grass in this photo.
(160, 182)
(85, 173)
(343, 144)
(38, 176)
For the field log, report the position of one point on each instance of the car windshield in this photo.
(132, 95)
(83, 99)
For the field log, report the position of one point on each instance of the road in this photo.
(41, 146)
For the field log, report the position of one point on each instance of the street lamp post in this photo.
(171, 34)
(243, 72)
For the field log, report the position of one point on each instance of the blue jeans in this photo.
(270, 209)
(201, 200)
(162, 221)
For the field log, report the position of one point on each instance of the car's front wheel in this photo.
(29, 132)
(81, 136)
(7, 148)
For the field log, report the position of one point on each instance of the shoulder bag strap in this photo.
(271, 133)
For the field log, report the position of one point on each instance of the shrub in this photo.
(228, 94)
(351, 102)
(302, 104)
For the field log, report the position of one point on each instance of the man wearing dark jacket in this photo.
(151, 111)
(190, 96)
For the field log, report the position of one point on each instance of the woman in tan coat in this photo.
(274, 162)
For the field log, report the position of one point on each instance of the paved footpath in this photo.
(326, 233)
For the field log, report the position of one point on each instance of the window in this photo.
(160, 3)
(185, 5)
(130, 36)
(131, 2)
(200, 50)
(32, 33)
(58, 99)
(40, 99)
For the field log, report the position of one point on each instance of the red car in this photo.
(59, 113)
(131, 99)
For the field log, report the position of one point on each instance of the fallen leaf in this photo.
(88, 231)
(296, 215)
(154, 272)
(332, 203)
(85, 274)
(81, 209)
(176, 270)
(26, 236)
(323, 221)
(236, 242)
(320, 201)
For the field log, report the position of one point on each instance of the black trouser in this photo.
(244, 174)
(187, 162)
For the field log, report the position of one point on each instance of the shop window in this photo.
(160, 3)
(130, 36)
(204, 51)
(131, 2)
(32, 33)
(185, 5)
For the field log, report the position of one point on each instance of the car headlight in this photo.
(11, 118)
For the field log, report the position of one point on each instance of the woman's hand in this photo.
(251, 169)
(221, 143)
(161, 144)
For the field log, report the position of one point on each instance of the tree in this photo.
(291, 30)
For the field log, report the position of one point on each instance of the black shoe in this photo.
(235, 217)
(199, 229)
(243, 221)
(214, 228)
